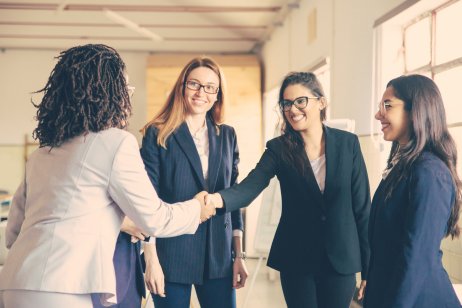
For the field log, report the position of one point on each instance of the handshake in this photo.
(209, 204)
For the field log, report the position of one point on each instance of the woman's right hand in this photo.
(128, 226)
(207, 210)
(154, 275)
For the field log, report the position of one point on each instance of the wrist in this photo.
(240, 255)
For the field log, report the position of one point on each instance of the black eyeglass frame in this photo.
(188, 85)
(286, 104)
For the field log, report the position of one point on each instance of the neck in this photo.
(195, 121)
(312, 137)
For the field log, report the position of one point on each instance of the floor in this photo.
(265, 293)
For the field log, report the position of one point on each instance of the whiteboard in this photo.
(271, 204)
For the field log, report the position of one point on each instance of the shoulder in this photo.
(226, 130)
(340, 134)
(151, 132)
(428, 164)
(276, 144)
(116, 135)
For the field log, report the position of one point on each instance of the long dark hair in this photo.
(86, 92)
(293, 141)
(429, 132)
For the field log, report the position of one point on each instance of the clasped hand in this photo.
(209, 204)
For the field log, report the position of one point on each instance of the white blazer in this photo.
(65, 217)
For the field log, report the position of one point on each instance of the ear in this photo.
(322, 103)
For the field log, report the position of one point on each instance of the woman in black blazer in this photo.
(186, 149)
(416, 204)
(321, 240)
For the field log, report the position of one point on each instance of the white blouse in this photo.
(319, 169)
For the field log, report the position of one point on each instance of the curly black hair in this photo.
(86, 92)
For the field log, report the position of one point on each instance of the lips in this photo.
(199, 101)
(297, 118)
(385, 126)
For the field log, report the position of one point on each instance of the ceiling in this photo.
(189, 26)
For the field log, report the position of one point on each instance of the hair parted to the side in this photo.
(86, 92)
(424, 104)
(173, 112)
(294, 144)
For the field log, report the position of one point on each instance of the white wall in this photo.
(25, 71)
(344, 34)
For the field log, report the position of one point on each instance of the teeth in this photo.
(298, 117)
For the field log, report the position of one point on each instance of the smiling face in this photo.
(396, 125)
(197, 101)
(303, 119)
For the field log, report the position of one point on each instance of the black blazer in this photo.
(176, 173)
(405, 233)
(313, 224)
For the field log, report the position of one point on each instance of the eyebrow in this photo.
(208, 83)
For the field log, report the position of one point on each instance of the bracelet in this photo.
(241, 255)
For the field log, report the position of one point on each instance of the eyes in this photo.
(196, 86)
(299, 103)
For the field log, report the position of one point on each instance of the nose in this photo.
(378, 115)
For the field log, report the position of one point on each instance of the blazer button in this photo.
(323, 218)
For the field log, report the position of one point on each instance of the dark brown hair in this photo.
(86, 92)
(429, 132)
(293, 141)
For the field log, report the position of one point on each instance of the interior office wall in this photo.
(25, 71)
(344, 35)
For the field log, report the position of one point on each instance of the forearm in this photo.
(237, 244)
(150, 253)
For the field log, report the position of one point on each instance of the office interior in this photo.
(354, 46)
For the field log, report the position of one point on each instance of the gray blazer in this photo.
(66, 215)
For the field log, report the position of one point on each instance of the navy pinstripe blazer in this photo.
(176, 173)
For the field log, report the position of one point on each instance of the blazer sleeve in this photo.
(361, 199)
(236, 216)
(431, 194)
(242, 194)
(150, 155)
(131, 189)
(16, 215)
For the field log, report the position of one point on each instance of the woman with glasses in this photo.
(417, 202)
(186, 150)
(86, 175)
(321, 240)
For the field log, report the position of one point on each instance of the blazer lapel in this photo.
(309, 177)
(215, 152)
(185, 141)
(332, 159)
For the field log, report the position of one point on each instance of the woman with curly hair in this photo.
(79, 184)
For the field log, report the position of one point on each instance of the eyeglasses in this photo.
(130, 90)
(300, 103)
(208, 88)
(384, 106)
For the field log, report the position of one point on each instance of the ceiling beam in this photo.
(139, 8)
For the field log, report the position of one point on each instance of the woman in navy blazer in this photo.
(416, 204)
(186, 150)
(321, 240)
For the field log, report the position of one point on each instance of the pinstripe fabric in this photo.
(176, 174)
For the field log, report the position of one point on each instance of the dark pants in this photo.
(324, 289)
(213, 293)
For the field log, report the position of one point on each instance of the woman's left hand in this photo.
(240, 273)
(362, 289)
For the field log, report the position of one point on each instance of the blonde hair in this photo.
(173, 112)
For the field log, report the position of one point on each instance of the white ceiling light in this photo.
(132, 25)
